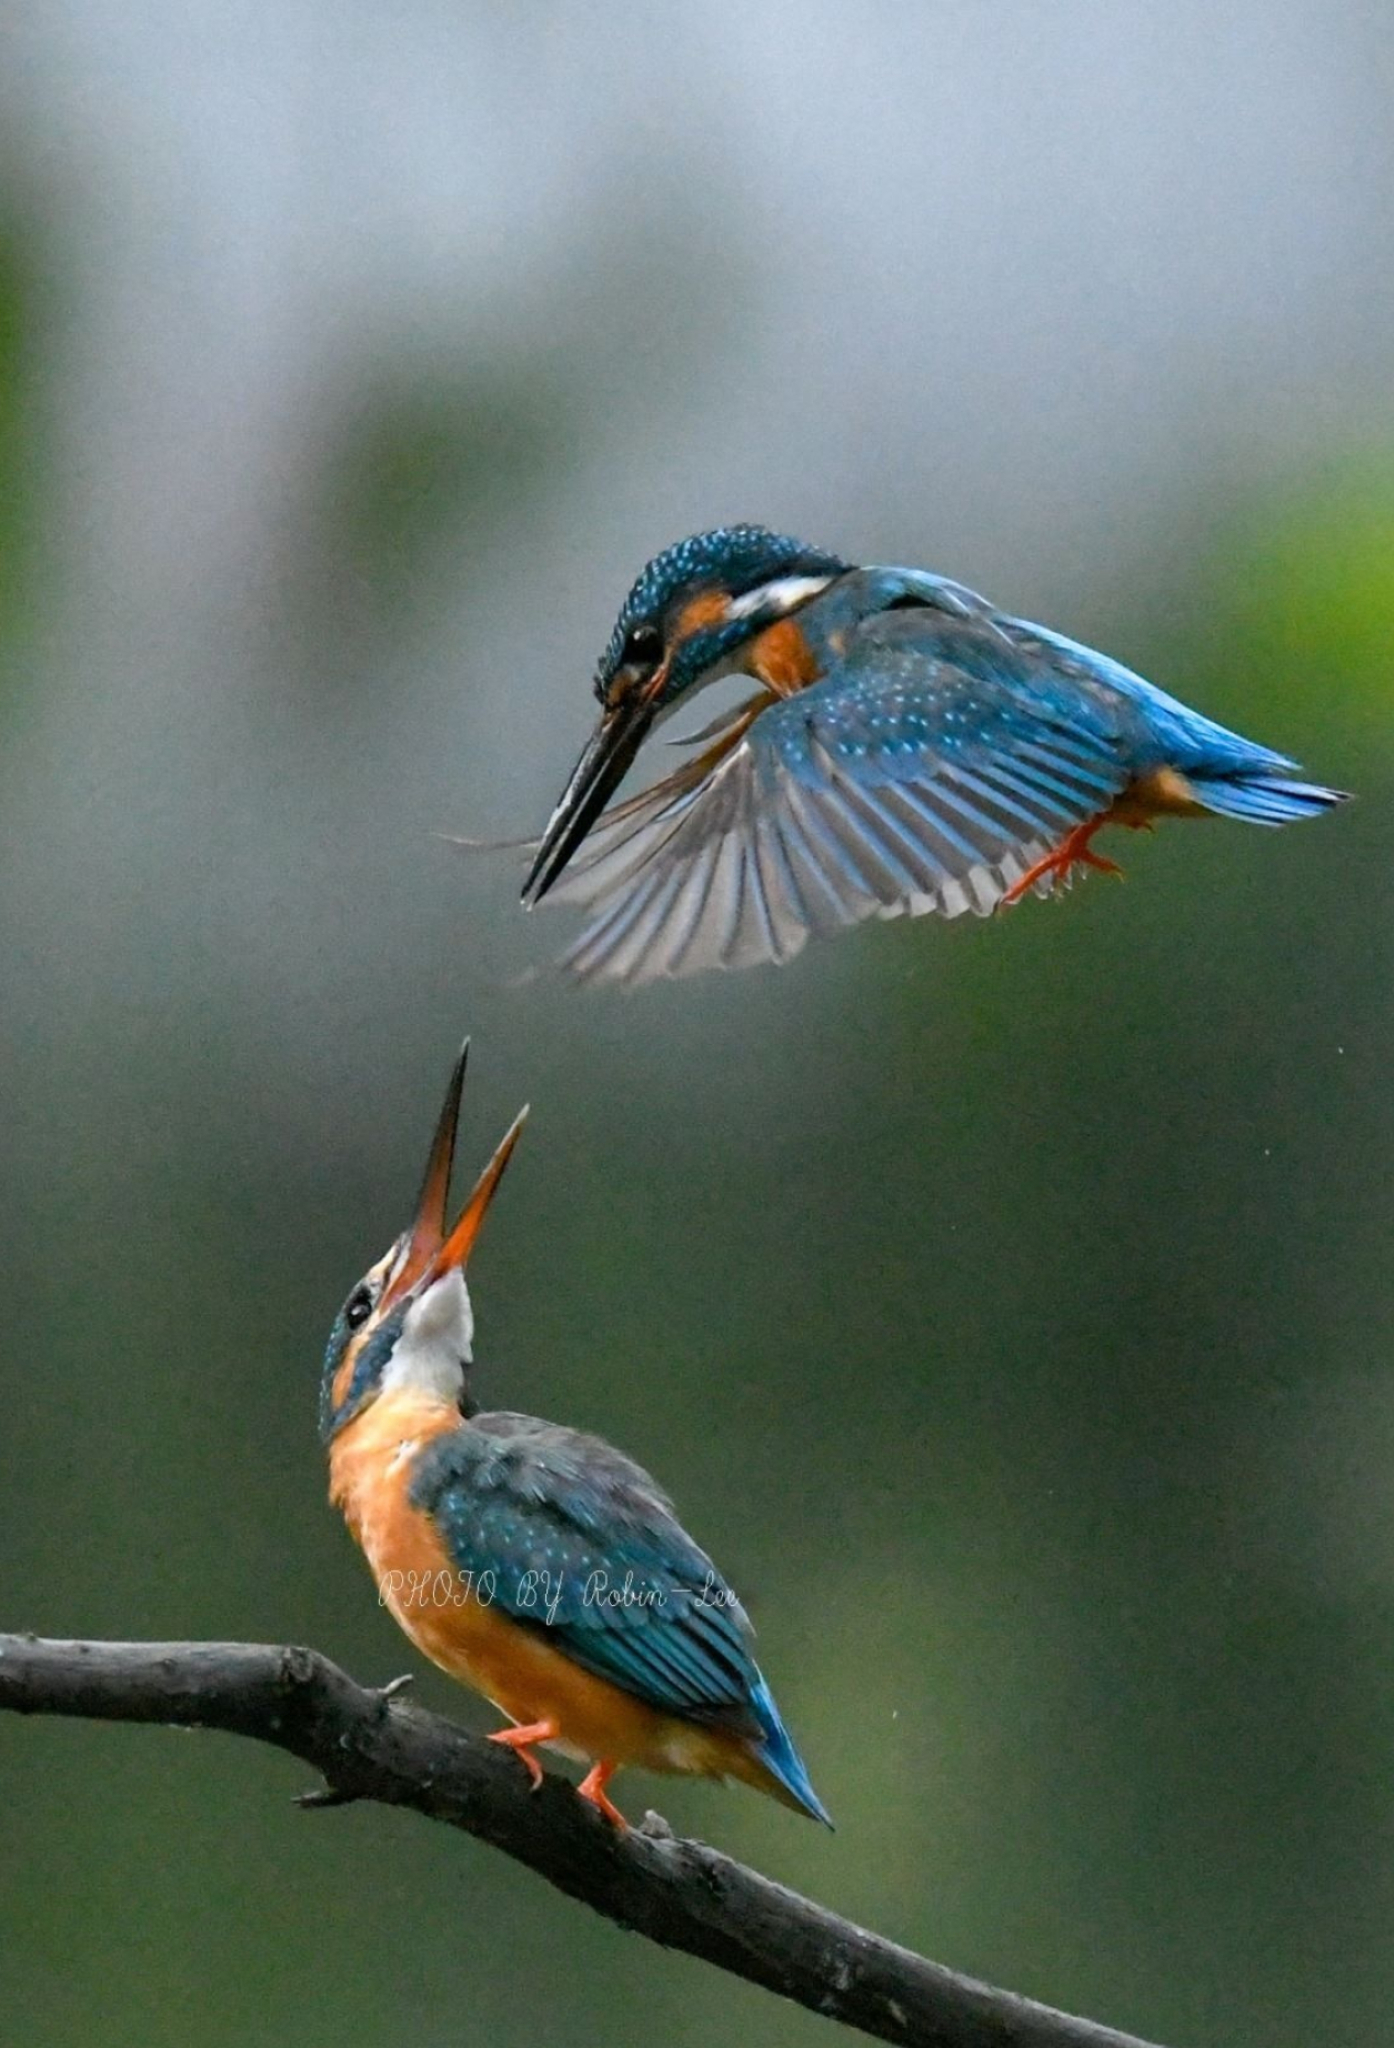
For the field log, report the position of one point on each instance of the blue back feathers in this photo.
(1232, 776)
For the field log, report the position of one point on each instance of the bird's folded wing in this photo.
(907, 782)
(578, 1544)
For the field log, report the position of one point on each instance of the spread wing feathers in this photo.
(908, 785)
(579, 1543)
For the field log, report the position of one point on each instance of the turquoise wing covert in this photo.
(567, 1536)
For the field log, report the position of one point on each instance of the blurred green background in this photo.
(1009, 1308)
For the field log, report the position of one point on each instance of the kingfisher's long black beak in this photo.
(594, 780)
(429, 1250)
(460, 1243)
(428, 1227)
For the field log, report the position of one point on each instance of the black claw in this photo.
(325, 1795)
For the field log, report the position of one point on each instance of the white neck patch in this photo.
(434, 1348)
(785, 594)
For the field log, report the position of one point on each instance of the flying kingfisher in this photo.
(909, 749)
(534, 1563)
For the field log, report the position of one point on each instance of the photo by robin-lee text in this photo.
(544, 1596)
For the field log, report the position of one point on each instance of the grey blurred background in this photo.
(1009, 1308)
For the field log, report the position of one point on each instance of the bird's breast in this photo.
(371, 1465)
(783, 659)
(455, 1617)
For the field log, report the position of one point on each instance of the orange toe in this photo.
(520, 1741)
(592, 1789)
(1073, 851)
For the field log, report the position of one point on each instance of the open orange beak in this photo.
(430, 1251)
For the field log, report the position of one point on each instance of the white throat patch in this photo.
(436, 1342)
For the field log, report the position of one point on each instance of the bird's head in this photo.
(686, 621)
(408, 1324)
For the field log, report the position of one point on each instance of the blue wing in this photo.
(561, 1521)
(926, 772)
(1183, 738)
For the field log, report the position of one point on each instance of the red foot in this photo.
(520, 1740)
(592, 1788)
(1073, 851)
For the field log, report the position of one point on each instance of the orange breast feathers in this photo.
(782, 658)
(472, 1637)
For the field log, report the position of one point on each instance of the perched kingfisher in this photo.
(535, 1563)
(909, 749)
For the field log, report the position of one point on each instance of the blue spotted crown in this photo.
(737, 558)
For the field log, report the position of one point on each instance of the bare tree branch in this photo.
(367, 1745)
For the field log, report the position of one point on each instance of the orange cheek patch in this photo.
(783, 659)
(707, 608)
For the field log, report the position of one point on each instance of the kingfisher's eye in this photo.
(358, 1307)
(643, 645)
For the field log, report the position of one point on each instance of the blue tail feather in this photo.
(779, 1756)
(1263, 799)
